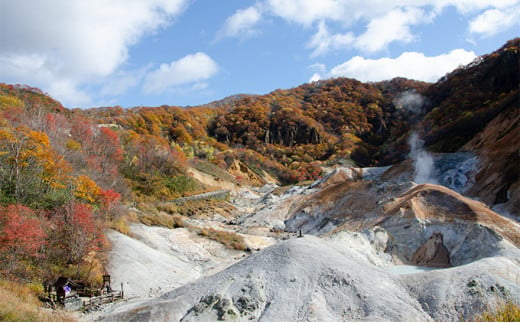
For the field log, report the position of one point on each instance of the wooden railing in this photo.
(103, 299)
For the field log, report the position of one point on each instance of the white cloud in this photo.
(411, 65)
(323, 41)
(469, 6)
(74, 42)
(315, 77)
(193, 68)
(385, 21)
(67, 91)
(306, 12)
(393, 26)
(32, 69)
(121, 81)
(494, 21)
(241, 23)
(318, 67)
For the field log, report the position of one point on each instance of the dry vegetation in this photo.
(177, 216)
(19, 303)
(229, 239)
(508, 312)
(201, 209)
(162, 219)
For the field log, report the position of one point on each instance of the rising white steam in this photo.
(411, 101)
(422, 160)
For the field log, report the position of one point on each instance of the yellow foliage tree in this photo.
(9, 101)
(86, 189)
(30, 170)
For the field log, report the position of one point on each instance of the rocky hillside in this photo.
(400, 188)
(337, 120)
(372, 248)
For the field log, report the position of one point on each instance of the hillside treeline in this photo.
(67, 175)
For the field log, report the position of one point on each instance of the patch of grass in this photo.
(120, 224)
(198, 208)
(161, 219)
(306, 182)
(212, 169)
(229, 239)
(182, 184)
(280, 190)
(149, 188)
(507, 312)
(19, 303)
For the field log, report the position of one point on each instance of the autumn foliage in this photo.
(66, 175)
(22, 239)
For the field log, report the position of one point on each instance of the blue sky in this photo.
(188, 52)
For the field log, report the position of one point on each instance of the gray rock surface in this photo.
(354, 263)
(295, 280)
(341, 278)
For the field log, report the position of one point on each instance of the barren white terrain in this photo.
(375, 246)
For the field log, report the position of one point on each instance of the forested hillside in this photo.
(67, 175)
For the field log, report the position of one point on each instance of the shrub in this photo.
(507, 312)
(120, 224)
(181, 184)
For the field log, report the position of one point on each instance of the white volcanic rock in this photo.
(341, 278)
(351, 270)
(160, 259)
(463, 292)
(299, 279)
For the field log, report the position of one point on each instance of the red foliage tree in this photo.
(77, 233)
(109, 201)
(21, 237)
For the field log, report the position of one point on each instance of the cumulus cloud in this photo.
(67, 91)
(121, 82)
(469, 6)
(315, 77)
(386, 21)
(241, 23)
(306, 12)
(65, 44)
(494, 21)
(191, 69)
(323, 42)
(411, 65)
(318, 67)
(393, 26)
(318, 70)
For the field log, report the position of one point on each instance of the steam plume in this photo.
(411, 101)
(422, 160)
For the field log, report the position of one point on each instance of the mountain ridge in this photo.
(68, 175)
